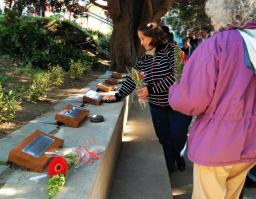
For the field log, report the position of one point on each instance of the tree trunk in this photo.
(122, 39)
(127, 15)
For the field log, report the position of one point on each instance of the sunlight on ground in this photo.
(7, 126)
(128, 135)
(129, 138)
(9, 192)
(177, 192)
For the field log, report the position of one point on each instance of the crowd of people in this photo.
(217, 86)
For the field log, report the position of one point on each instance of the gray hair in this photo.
(231, 13)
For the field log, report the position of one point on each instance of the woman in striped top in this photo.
(158, 66)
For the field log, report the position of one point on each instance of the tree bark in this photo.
(127, 15)
(122, 39)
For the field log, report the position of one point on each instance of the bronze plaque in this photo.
(38, 146)
(30, 153)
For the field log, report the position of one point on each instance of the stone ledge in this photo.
(91, 181)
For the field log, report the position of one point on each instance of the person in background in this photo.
(205, 33)
(158, 66)
(170, 36)
(186, 50)
(218, 85)
(193, 39)
(187, 47)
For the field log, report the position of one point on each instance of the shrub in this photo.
(39, 86)
(56, 74)
(8, 105)
(77, 69)
(24, 70)
(40, 41)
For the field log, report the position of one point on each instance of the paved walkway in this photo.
(141, 172)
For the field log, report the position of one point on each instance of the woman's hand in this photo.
(143, 93)
(108, 98)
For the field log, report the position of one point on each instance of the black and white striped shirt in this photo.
(158, 75)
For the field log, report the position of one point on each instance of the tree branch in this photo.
(99, 5)
(160, 8)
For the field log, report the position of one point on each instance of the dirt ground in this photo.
(30, 111)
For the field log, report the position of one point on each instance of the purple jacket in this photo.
(220, 90)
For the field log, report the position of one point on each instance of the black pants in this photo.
(171, 128)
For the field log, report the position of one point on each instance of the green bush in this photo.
(39, 41)
(56, 74)
(78, 68)
(3, 78)
(102, 41)
(25, 70)
(8, 105)
(38, 88)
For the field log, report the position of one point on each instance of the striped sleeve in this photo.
(164, 84)
(127, 88)
(129, 85)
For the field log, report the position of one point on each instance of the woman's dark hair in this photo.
(170, 36)
(155, 32)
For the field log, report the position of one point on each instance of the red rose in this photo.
(58, 165)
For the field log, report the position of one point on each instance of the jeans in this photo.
(171, 128)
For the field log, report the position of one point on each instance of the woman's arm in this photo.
(129, 85)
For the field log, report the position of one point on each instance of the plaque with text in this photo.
(30, 153)
(113, 81)
(118, 75)
(72, 116)
(105, 87)
(38, 146)
(92, 97)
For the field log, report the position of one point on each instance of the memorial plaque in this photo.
(30, 153)
(118, 75)
(72, 116)
(92, 97)
(113, 81)
(38, 146)
(104, 87)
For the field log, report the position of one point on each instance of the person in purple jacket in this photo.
(218, 86)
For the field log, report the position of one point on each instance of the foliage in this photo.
(56, 74)
(78, 68)
(39, 86)
(188, 16)
(25, 70)
(8, 105)
(42, 41)
(179, 63)
(55, 184)
(3, 78)
(101, 40)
